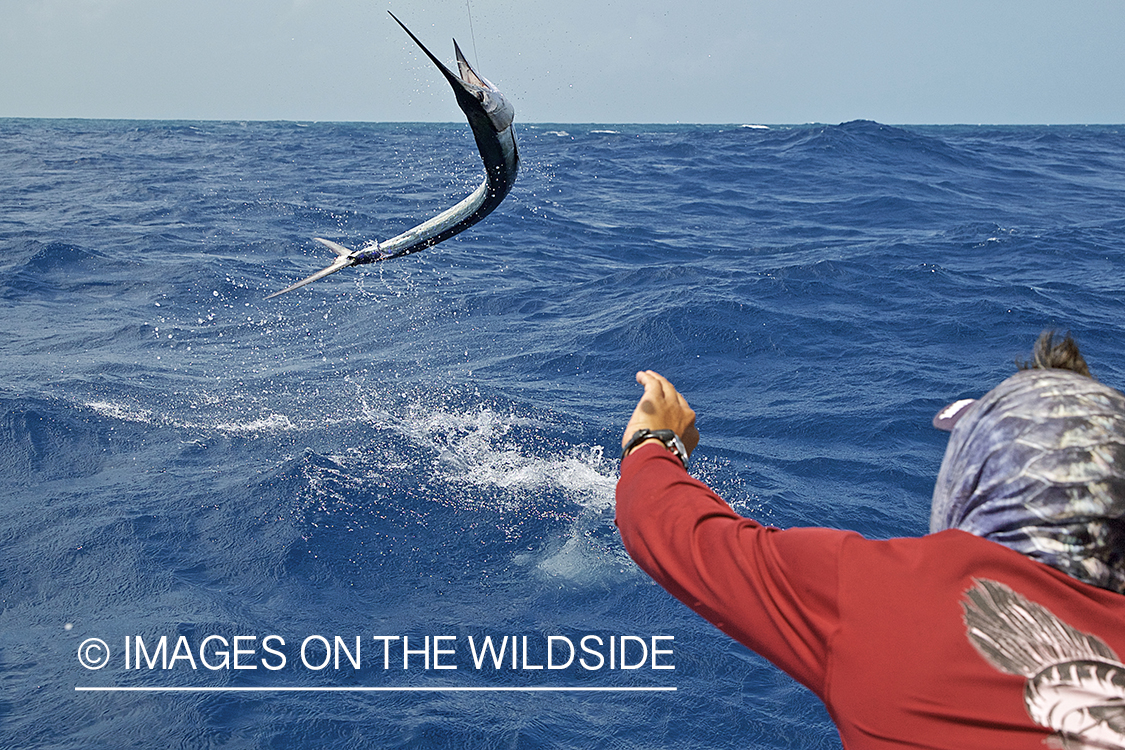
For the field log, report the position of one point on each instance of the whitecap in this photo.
(272, 423)
(121, 412)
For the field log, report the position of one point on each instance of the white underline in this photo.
(116, 689)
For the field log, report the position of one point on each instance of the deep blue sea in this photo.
(228, 491)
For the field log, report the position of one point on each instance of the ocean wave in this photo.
(43, 440)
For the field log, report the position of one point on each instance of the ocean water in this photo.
(421, 454)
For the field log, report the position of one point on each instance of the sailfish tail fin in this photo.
(335, 247)
(344, 258)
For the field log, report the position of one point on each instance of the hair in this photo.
(1052, 354)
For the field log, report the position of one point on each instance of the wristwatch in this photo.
(670, 439)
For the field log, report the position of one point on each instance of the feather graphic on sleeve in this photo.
(1075, 682)
(1020, 637)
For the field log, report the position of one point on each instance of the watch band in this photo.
(670, 440)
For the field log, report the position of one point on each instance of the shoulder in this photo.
(943, 570)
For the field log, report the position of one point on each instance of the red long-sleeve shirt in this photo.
(876, 629)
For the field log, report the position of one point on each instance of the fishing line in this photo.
(472, 34)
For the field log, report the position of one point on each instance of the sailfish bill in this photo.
(490, 117)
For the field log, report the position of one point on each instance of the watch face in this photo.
(679, 449)
(670, 439)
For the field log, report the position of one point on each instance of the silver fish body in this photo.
(490, 117)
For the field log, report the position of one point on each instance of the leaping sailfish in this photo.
(490, 117)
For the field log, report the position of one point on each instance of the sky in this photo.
(570, 61)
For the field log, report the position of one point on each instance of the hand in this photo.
(662, 408)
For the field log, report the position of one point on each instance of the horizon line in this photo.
(740, 123)
(361, 689)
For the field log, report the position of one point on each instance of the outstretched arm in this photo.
(774, 591)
